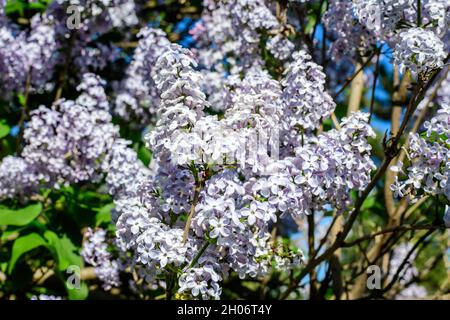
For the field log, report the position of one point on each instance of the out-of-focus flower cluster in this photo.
(29, 58)
(95, 252)
(406, 272)
(416, 35)
(63, 144)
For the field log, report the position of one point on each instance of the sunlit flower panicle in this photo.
(429, 166)
(46, 297)
(201, 283)
(182, 100)
(419, 51)
(304, 95)
(124, 171)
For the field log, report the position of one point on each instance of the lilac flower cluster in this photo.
(138, 97)
(70, 139)
(429, 165)
(304, 94)
(419, 51)
(352, 38)
(216, 185)
(27, 57)
(95, 252)
(414, 33)
(67, 143)
(222, 51)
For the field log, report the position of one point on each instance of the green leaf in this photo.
(19, 217)
(78, 294)
(369, 203)
(104, 215)
(144, 155)
(22, 99)
(67, 255)
(64, 249)
(23, 245)
(14, 6)
(37, 5)
(4, 129)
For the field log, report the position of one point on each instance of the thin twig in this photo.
(374, 85)
(391, 230)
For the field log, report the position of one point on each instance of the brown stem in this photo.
(374, 85)
(198, 188)
(391, 230)
(349, 80)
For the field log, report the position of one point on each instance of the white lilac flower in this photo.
(419, 51)
(429, 166)
(304, 95)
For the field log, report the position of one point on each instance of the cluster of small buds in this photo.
(95, 252)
